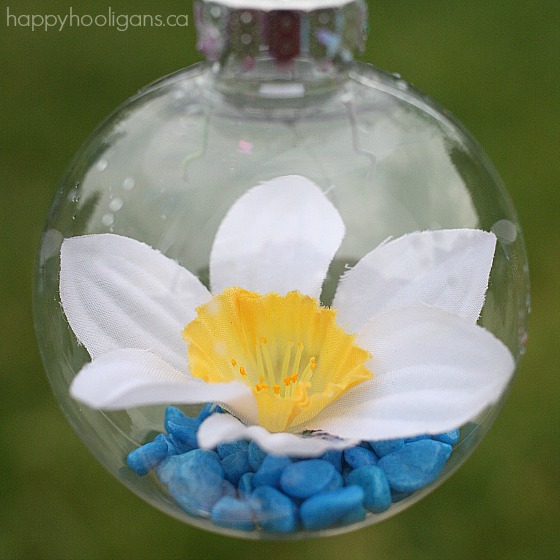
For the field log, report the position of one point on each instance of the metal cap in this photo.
(326, 31)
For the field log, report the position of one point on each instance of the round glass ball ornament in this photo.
(281, 293)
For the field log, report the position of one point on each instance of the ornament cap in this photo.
(327, 31)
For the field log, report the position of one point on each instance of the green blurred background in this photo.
(495, 65)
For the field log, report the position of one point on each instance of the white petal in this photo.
(223, 427)
(448, 269)
(278, 237)
(119, 293)
(129, 377)
(433, 372)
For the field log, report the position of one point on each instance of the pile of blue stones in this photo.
(239, 486)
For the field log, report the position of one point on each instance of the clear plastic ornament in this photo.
(280, 95)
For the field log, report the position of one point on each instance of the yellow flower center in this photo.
(288, 349)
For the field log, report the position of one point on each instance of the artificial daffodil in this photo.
(398, 354)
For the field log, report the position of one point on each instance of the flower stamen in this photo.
(287, 357)
(267, 360)
(291, 344)
(308, 371)
(298, 358)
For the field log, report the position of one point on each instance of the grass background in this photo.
(495, 65)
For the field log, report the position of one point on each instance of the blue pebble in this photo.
(195, 479)
(177, 417)
(198, 499)
(355, 516)
(331, 508)
(336, 482)
(450, 438)
(245, 486)
(149, 456)
(273, 510)
(270, 470)
(306, 478)
(385, 447)
(415, 465)
(233, 514)
(359, 457)
(333, 456)
(236, 465)
(180, 446)
(231, 447)
(416, 438)
(166, 468)
(228, 489)
(204, 459)
(256, 456)
(185, 433)
(171, 447)
(208, 410)
(180, 426)
(170, 466)
(174, 414)
(397, 496)
(199, 502)
(372, 480)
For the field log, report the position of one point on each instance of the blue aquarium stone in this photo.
(185, 434)
(149, 456)
(232, 513)
(245, 486)
(181, 429)
(241, 487)
(231, 447)
(273, 510)
(228, 489)
(236, 465)
(336, 482)
(256, 456)
(359, 457)
(195, 479)
(331, 508)
(355, 516)
(306, 478)
(208, 410)
(270, 470)
(372, 480)
(385, 447)
(416, 438)
(333, 456)
(397, 496)
(175, 415)
(170, 466)
(450, 438)
(415, 465)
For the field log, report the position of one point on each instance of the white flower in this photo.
(403, 357)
